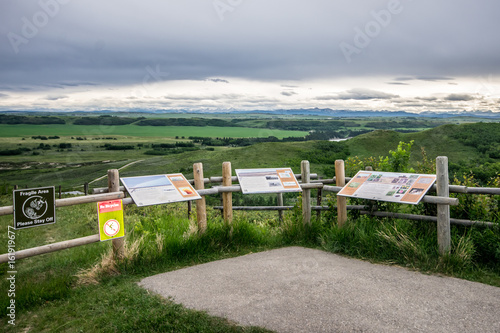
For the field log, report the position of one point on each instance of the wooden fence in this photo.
(114, 191)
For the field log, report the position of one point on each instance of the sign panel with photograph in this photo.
(407, 188)
(267, 180)
(159, 189)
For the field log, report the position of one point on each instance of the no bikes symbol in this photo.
(111, 228)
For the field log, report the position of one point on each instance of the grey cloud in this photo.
(424, 78)
(288, 93)
(398, 83)
(202, 98)
(404, 78)
(115, 41)
(55, 97)
(77, 84)
(428, 99)
(364, 94)
(459, 97)
(218, 80)
(434, 78)
(2, 95)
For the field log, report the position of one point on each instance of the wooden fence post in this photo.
(189, 207)
(227, 197)
(443, 211)
(306, 193)
(201, 210)
(341, 201)
(114, 186)
(279, 202)
(60, 191)
(86, 188)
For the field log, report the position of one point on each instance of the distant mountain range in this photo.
(368, 113)
(299, 112)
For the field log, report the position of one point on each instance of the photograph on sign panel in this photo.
(146, 181)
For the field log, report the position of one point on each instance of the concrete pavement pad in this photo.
(296, 289)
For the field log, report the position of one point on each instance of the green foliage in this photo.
(476, 207)
(106, 120)
(187, 122)
(118, 147)
(326, 152)
(11, 152)
(399, 159)
(32, 120)
(403, 124)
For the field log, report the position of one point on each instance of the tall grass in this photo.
(58, 291)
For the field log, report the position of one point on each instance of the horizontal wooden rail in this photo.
(218, 179)
(213, 179)
(265, 208)
(440, 200)
(330, 188)
(428, 218)
(99, 190)
(452, 188)
(74, 201)
(7, 210)
(89, 198)
(208, 191)
(483, 190)
(21, 254)
(309, 186)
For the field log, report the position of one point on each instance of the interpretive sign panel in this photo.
(407, 188)
(267, 180)
(34, 207)
(110, 217)
(159, 189)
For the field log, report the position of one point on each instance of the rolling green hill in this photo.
(439, 141)
(470, 147)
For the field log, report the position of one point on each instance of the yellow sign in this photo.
(110, 217)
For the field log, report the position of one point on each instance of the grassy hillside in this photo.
(88, 160)
(439, 141)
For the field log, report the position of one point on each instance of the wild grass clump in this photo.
(169, 238)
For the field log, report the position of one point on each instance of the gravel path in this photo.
(296, 289)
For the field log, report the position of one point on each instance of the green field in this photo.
(143, 131)
(88, 159)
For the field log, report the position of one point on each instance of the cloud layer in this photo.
(77, 52)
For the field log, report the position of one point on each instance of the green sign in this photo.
(34, 207)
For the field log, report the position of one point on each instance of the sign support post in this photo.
(201, 210)
(114, 186)
(443, 211)
(306, 193)
(227, 197)
(341, 201)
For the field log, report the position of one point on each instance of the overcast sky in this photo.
(436, 55)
